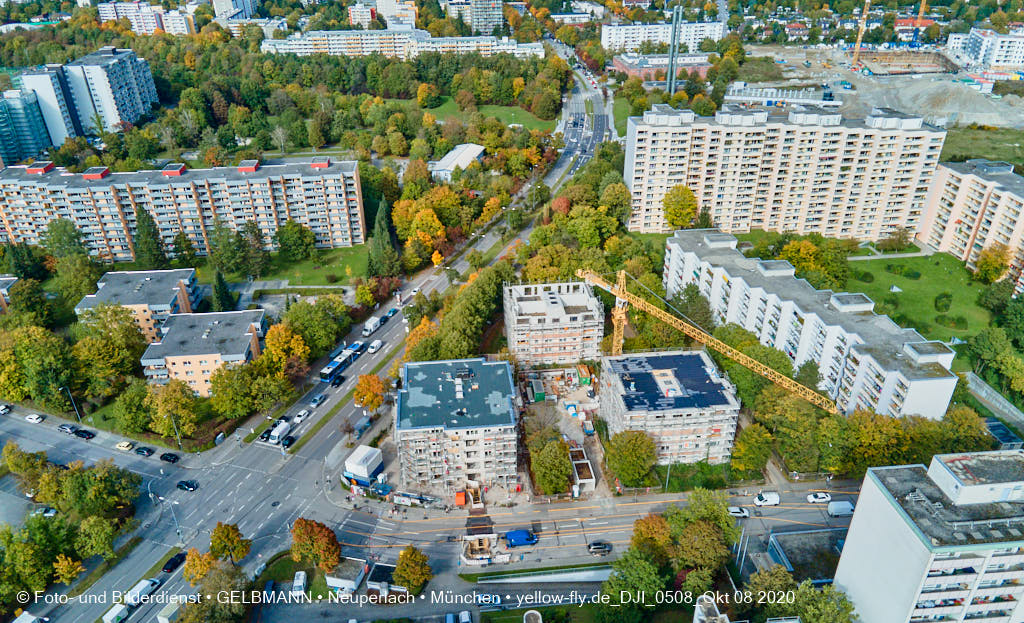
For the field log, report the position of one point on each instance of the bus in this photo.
(336, 366)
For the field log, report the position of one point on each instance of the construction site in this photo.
(901, 62)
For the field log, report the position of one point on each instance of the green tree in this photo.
(412, 570)
(476, 259)
(631, 455)
(552, 468)
(991, 263)
(96, 538)
(226, 253)
(148, 246)
(231, 391)
(808, 375)
(617, 199)
(174, 409)
(773, 580)
(185, 254)
(62, 239)
(218, 579)
(28, 301)
(295, 242)
(631, 574)
(226, 542)
(45, 366)
(383, 259)
(223, 299)
(255, 258)
(680, 206)
(66, 569)
(752, 449)
(76, 277)
(130, 411)
(692, 305)
(320, 324)
(987, 346)
(108, 349)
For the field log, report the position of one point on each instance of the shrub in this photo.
(891, 301)
(943, 302)
(912, 274)
(951, 322)
(330, 278)
(896, 269)
(863, 275)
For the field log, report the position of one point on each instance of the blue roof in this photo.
(696, 386)
(460, 393)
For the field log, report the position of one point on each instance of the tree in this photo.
(369, 391)
(255, 258)
(897, 240)
(280, 137)
(987, 346)
(552, 468)
(383, 259)
(76, 277)
(412, 570)
(174, 409)
(220, 579)
(185, 254)
(652, 537)
(364, 295)
(630, 456)
(808, 375)
(476, 259)
(631, 574)
(223, 299)
(680, 206)
(226, 253)
(295, 242)
(96, 538)
(773, 580)
(320, 323)
(108, 348)
(130, 411)
(281, 345)
(231, 391)
(197, 565)
(752, 449)
(62, 239)
(694, 307)
(28, 300)
(316, 543)
(991, 263)
(825, 605)
(428, 95)
(148, 247)
(226, 542)
(66, 569)
(617, 199)
(701, 545)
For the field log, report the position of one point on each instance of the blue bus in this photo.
(336, 366)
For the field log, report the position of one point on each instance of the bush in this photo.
(863, 275)
(896, 269)
(330, 278)
(943, 302)
(891, 301)
(951, 322)
(912, 274)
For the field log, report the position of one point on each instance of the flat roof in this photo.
(985, 468)
(460, 156)
(137, 287)
(6, 281)
(765, 116)
(226, 333)
(348, 568)
(669, 381)
(999, 172)
(808, 554)
(882, 338)
(381, 573)
(550, 301)
(104, 56)
(457, 393)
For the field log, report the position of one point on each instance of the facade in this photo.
(398, 12)
(455, 423)
(247, 8)
(973, 205)
(460, 157)
(573, 19)
(865, 360)
(402, 43)
(987, 49)
(323, 195)
(655, 66)
(191, 347)
(360, 15)
(144, 18)
(485, 16)
(553, 323)
(628, 37)
(678, 398)
(151, 296)
(6, 283)
(907, 26)
(805, 171)
(179, 23)
(53, 96)
(112, 84)
(22, 128)
(942, 543)
(591, 8)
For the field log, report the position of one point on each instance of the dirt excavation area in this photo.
(942, 98)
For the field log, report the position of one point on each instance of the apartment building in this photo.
(556, 323)
(985, 49)
(179, 23)
(323, 195)
(865, 360)
(405, 43)
(628, 37)
(455, 422)
(191, 347)
(53, 96)
(22, 128)
(573, 19)
(360, 15)
(398, 13)
(144, 18)
(151, 295)
(678, 398)
(239, 9)
(942, 543)
(808, 170)
(6, 283)
(973, 205)
(485, 16)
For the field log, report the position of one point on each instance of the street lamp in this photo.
(65, 388)
(177, 528)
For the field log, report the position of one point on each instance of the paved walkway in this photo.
(924, 252)
(995, 401)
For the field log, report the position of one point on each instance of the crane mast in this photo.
(860, 34)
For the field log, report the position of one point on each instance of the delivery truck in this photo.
(371, 325)
(518, 538)
(116, 614)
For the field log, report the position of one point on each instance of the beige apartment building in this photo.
(807, 170)
(193, 346)
(455, 423)
(151, 296)
(556, 323)
(973, 205)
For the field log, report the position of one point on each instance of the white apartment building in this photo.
(228, 8)
(405, 43)
(398, 12)
(455, 423)
(54, 96)
(678, 398)
(973, 205)
(987, 49)
(112, 83)
(944, 543)
(628, 37)
(572, 19)
(865, 360)
(360, 15)
(805, 171)
(458, 9)
(179, 23)
(485, 16)
(592, 8)
(553, 323)
(322, 195)
(143, 17)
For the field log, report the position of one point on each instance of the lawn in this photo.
(915, 304)
(621, 110)
(760, 69)
(585, 614)
(341, 263)
(282, 569)
(984, 142)
(505, 114)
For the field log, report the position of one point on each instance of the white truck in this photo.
(279, 432)
(169, 613)
(371, 325)
(140, 590)
(840, 509)
(116, 614)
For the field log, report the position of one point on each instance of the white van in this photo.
(767, 498)
(299, 584)
(840, 509)
(279, 432)
(140, 590)
(375, 346)
(116, 614)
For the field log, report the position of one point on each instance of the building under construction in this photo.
(899, 62)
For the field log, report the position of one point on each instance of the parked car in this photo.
(391, 312)
(818, 498)
(144, 451)
(265, 435)
(318, 400)
(34, 418)
(174, 562)
(739, 513)
(188, 485)
(5, 409)
(301, 415)
(84, 434)
(124, 446)
(170, 457)
(287, 441)
(45, 511)
(412, 295)
(68, 429)
(599, 548)
(338, 380)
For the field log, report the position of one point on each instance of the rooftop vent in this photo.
(248, 166)
(95, 173)
(320, 162)
(174, 169)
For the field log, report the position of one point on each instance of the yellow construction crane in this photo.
(624, 298)
(920, 20)
(860, 34)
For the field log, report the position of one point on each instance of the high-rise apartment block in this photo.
(805, 171)
(239, 9)
(398, 12)
(942, 543)
(6, 283)
(53, 94)
(323, 195)
(678, 398)
(865, 360)
(485, 16)
(191, 347)
(985, 49)
(455, 422)
(405, 43)
(556, 323)
(22, 128)
(628, 37)
(145, 18)
(112, 84)
(974, 205)
(360, 15)
(151, 295)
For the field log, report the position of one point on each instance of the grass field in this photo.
(760, 69)
(505, 114)
(337, 262)
(916, 302)
(621, 109)
(282, 569)
(992, 143)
